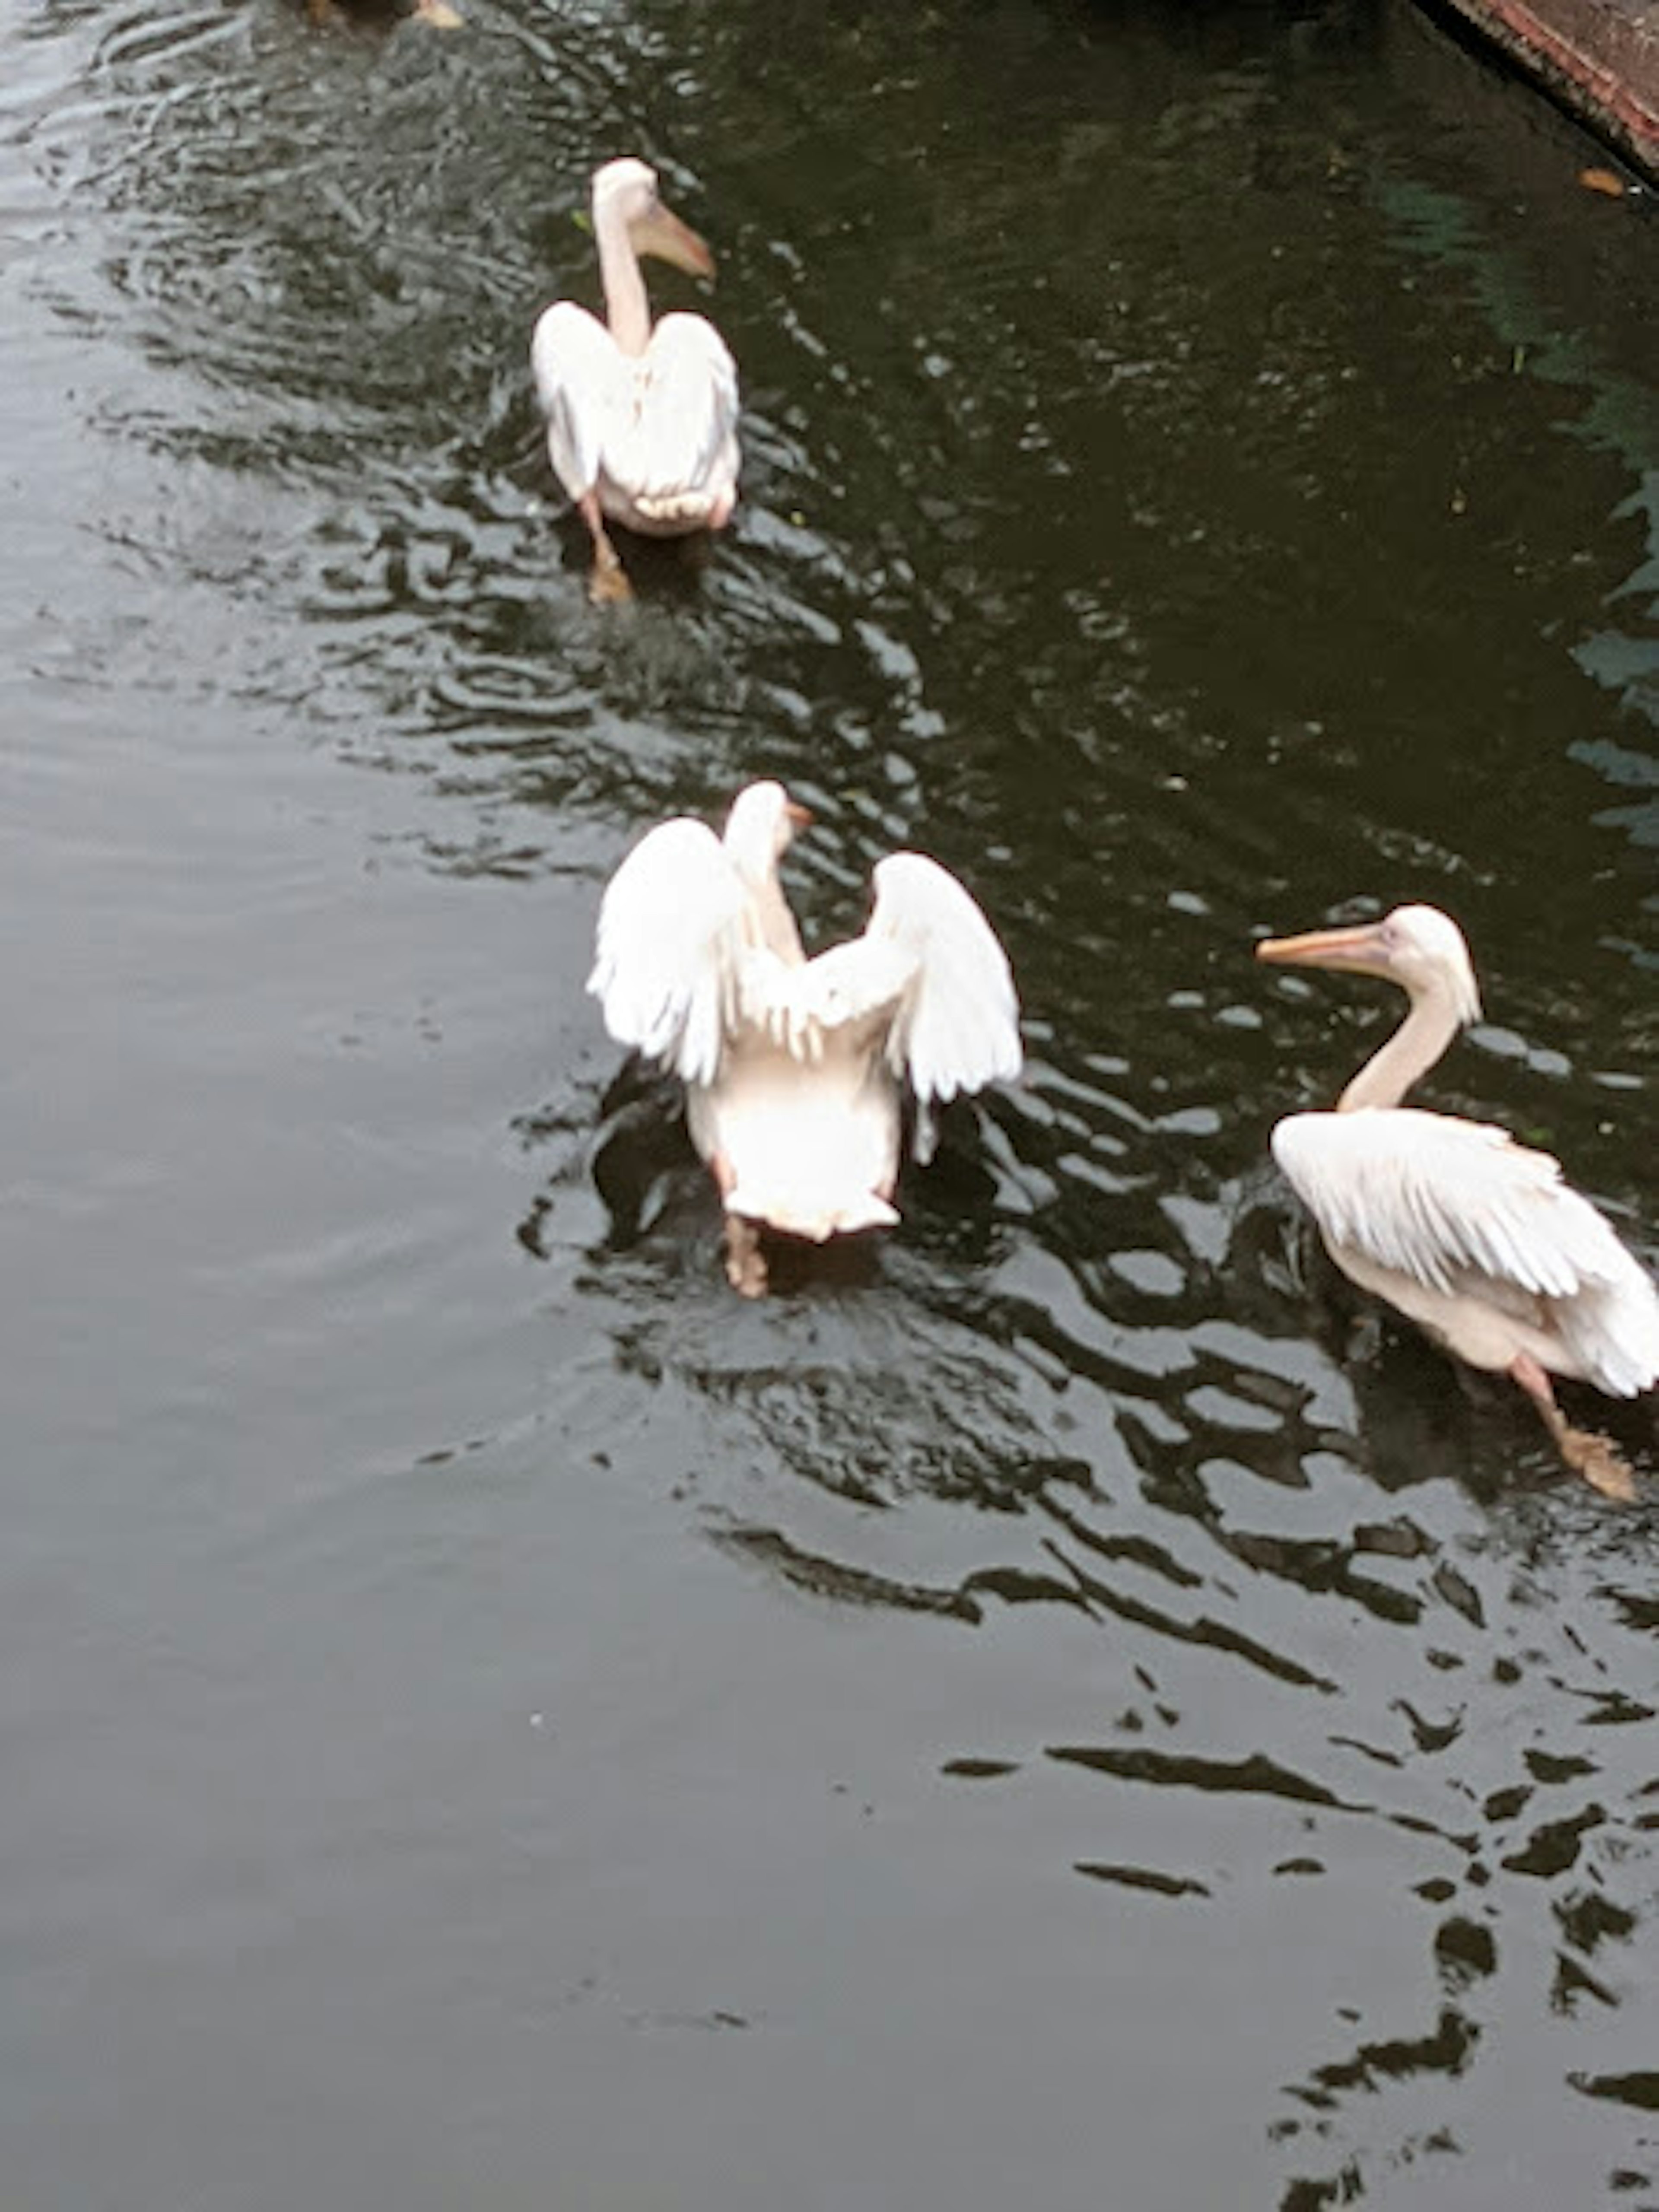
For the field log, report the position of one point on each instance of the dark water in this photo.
(1065, 1714)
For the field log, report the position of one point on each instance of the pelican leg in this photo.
(745, 1263)
(1585, 1453)
(609, 585)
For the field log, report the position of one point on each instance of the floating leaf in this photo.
(1604, 181)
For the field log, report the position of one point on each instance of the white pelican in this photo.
(792, 1067)
(1470, 1235)
(641, 422)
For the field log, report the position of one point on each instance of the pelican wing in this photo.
(958, 1025)
(847, 996)
(676, 450)
(671, 949)
(581, 380)
(1459, 1205)
(1439, 1199)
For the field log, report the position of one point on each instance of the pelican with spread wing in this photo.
(1472, 1236)
(641, 418)
(795, 1069)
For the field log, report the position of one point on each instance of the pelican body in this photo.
(641, 418)
(795, 1069)
(1475, 1239)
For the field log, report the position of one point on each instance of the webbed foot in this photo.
(608, 585)
(1582, 1450)
(1598, 1462)
(745, 1263)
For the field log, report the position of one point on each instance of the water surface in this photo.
(1065, 1709)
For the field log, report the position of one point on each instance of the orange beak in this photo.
(800, 817)
(1359, 950)
(670, 239)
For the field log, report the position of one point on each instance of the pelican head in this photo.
(625, 192)
(758, 829)
(1418, 947)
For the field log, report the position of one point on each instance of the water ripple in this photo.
(1130, 563)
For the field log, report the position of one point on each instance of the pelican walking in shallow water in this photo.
(794, 1068)
(1472, 1236)
(642, 419)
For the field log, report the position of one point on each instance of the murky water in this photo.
(1061, 1712)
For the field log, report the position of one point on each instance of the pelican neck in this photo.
(627, 309)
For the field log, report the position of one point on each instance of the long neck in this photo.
(627, 310)
(779, 931)
(1412, 1049)
(770, 914)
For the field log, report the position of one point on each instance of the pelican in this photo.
(641, 420)
(1472, 1236)
(438, 13)
(794, 1068)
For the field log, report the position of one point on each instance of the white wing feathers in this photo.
(679, 449)
(680, 969)
(852, 988)
(660, 427)
(958, 1028)
(579, 375)
(1612, 1330)
(1441, 1200)
(670, 948)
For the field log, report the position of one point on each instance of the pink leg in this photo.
(1590, 1456)
(608, 585)
(745, 1263)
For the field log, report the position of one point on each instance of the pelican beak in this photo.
(1361, 950)
(799, 817)
(670, 239)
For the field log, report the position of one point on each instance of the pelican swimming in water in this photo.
(794, 1068)
(641, 420)
(1472, 1236)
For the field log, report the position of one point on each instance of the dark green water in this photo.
(1061, 1714)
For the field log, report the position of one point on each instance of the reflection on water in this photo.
(1190, 485)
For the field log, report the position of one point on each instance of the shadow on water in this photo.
(1188, 487)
